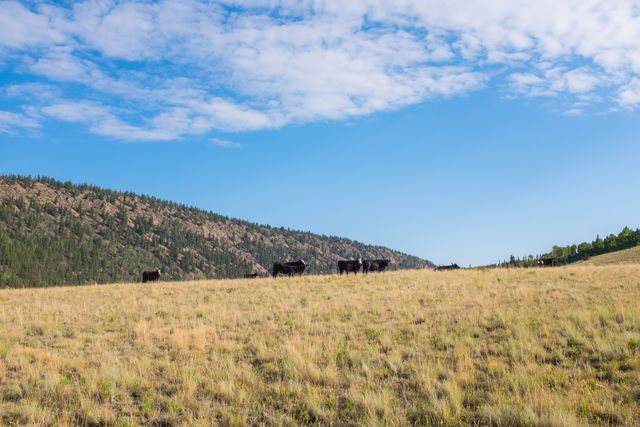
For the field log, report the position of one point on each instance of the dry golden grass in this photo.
(485, 347)
(627, 256)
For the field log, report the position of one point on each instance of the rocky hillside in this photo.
(59, 233)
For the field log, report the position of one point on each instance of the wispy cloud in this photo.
(32, 91)
(11, 122)
(102, 120)
(169, 69)
(225, 143)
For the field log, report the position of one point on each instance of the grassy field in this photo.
(557, 346)
(627, 256)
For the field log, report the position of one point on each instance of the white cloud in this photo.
(164, 126)
(38, 91)
(76, 111)
(59, 64)
(229, 116)
(191, 67)
(224, 143)
(526, 79)
(103, 121)
(575, 81)
(22, 27)
(574, 112)
(630, 94)
(580, 81)
(10, 122)
(554, 81)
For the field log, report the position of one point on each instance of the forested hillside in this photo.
(59, 233)
(627, 238)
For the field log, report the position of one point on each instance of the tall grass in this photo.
(484, 347)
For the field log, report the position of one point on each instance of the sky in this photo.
(456, 130)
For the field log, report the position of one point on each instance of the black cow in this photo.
(447, 267)
(289, 268)
(547, 262)
(150, 276)
(251, 275)
(369, 265)
(350, 266)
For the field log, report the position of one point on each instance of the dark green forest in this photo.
(55, 233)
(627, 238)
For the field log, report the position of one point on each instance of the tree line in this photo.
(627, 238)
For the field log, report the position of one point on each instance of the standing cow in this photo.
(350, 266)
(379, 265)
(150, 276)
(547, 262)
(289, 268)
(447, 267)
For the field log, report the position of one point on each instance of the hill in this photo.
(627, 238)
(59, 233)
(627, 256)
(502, 347)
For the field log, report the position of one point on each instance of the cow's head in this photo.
(277, 268)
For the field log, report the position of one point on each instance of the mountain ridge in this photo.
(54, 232)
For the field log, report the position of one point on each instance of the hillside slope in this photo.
(627, 256)
(627, 238)
(60, 233)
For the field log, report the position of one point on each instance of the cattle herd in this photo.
(296, 268)
(364, 265)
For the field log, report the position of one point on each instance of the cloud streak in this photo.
(224, 143)
(11, 122)
(168, 70)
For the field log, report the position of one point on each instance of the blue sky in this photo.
(457, 131)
